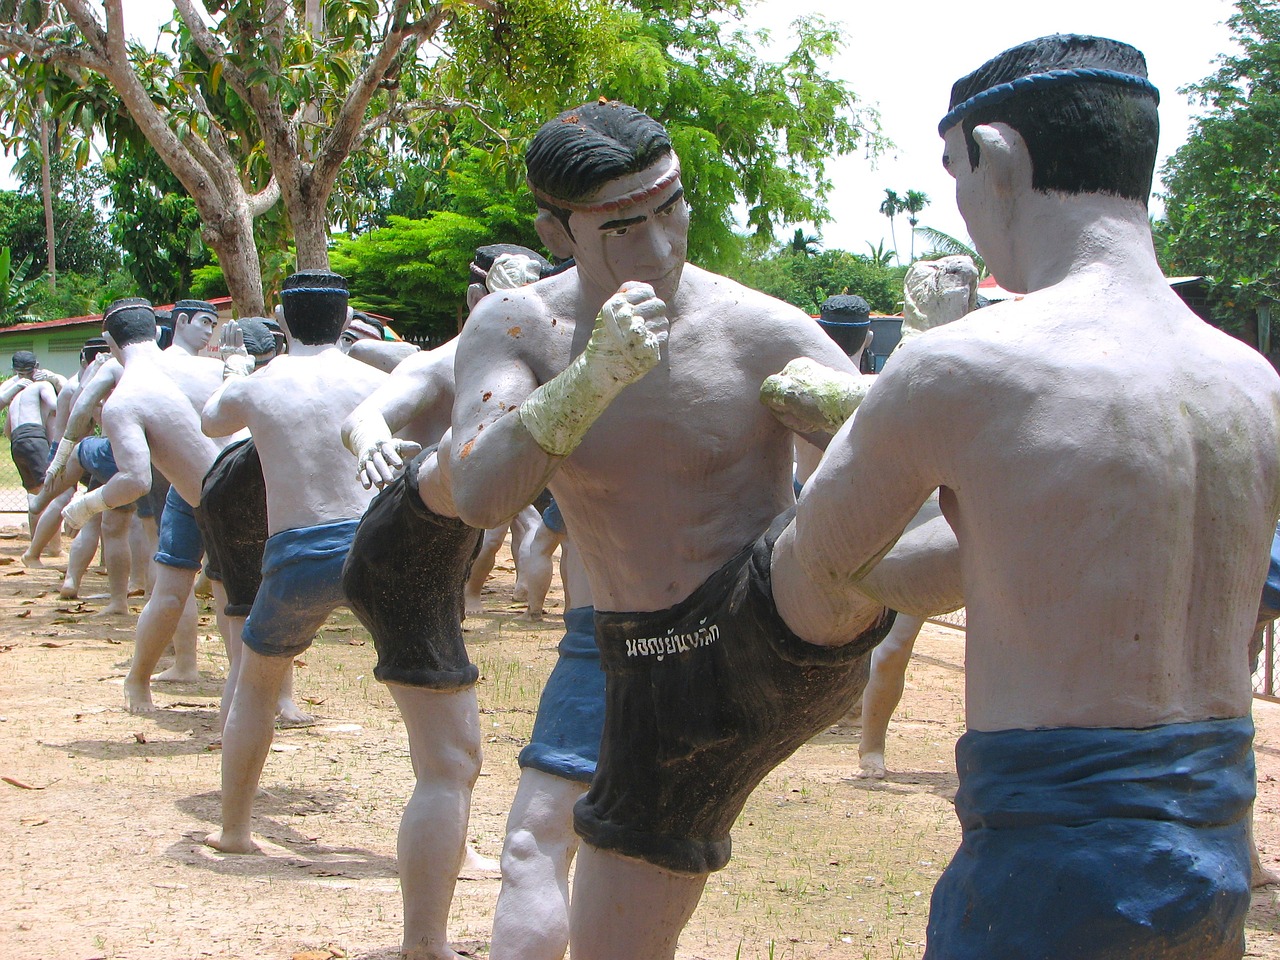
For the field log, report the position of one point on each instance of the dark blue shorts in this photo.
(95, 456)
(180, 544)
(1106, 844)
(566, 732)
(301, 586)
(553, 518)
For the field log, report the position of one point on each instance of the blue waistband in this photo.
(308, 543)
(1196, 773)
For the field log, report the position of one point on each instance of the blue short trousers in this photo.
(95, 456)
(553, 518)
(1104, 844)
(1270, 607)
(566, 732)
(180, 544)
(301, 586)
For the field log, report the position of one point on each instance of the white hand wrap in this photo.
(809, 396)
(60, 456)
(511, 270)
(622, 349)
(84, 507)
(237, 365)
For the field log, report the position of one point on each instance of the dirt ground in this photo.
(101, 812)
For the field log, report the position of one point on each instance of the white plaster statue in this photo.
(405, 580)
(291, 408)
(1110, 465)
(629, 386)
(31, 397)
(935, 292)
(151, 415)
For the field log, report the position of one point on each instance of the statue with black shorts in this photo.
(404, 578)
(291, 407)
(30, 397)
(1110, 465)
(629, 385)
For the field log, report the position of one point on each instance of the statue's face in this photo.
(195, 332)
(645, 241)
(357, 329)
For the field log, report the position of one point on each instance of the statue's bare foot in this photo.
(138, 697)
(473, 862)
(232, 843)
(33, 560)
(520, 594)
(68, 591)
(1261, 876)
(114, 610)
(176, 674)
(531, 615)
(474, 606)
(288, 714)
(870, 767)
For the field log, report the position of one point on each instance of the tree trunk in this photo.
(310, 232)
(232, 240)
(46, 189)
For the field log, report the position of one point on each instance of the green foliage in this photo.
(156, 225)
(806, 281)
(81, 231)
(18, 289)
(416, 270)
(747, 131)
(1222, 198)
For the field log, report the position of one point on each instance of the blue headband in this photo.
(1051, 78)
(345, 293)
(845, 323)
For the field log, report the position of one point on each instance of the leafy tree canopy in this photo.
(1222, 198)
(81, 233)
(806, 281)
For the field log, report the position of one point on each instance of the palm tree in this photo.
(891, 206)
(945, 245)
(804, 243)
(879, 255)
(913, 203)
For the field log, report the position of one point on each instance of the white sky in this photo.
(903, 60)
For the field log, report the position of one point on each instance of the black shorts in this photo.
(233, 524)
(701, 702)
(403, 579)
(30, 449)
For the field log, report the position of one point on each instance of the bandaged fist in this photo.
(83, 508)
(236, 361)
(511, 270)
(808, 397)
(382, 461)
(629, 333)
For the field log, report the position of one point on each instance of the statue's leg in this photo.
(884, 690)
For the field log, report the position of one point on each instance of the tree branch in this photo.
(347, 127)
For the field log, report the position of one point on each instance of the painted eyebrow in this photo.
(615, 224)
(672, 200)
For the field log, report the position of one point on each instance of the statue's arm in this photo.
(93, 393)
(11, 388)
(382, 355)
(133, 478)
(872, 482)
(369, 431)
(224, 412)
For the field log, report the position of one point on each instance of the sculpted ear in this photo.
(553, 234)
(1004, 154)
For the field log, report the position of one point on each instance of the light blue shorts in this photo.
(301, 586)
